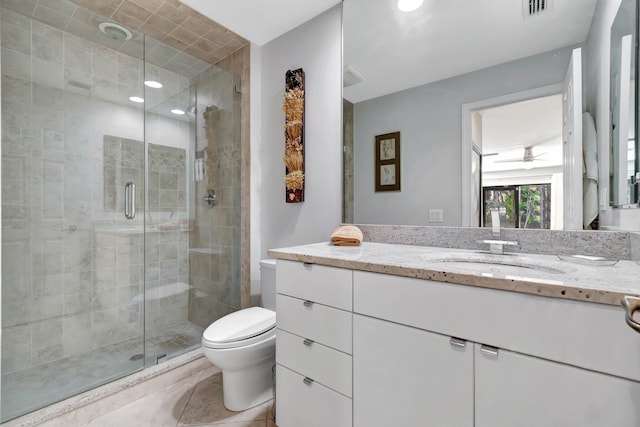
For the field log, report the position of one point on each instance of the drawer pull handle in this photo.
(307, 381)
(489, 351)
(308, 342)
(457, 342)
(631, 305)
(308, 304)
(307, 265)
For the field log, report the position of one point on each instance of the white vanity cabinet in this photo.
(313, 345)
(494, 387)
(370, 349)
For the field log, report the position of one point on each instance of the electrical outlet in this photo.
(435, 215)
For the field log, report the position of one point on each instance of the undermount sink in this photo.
(493, 264)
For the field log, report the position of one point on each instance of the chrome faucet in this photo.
(496, 244)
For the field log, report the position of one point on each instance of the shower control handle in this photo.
(210, 199)
(130, 200)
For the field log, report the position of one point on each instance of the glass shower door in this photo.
(170, 119)
(72, 263)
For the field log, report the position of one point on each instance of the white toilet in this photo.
(243, 345)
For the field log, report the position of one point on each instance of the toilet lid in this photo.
(240, 325)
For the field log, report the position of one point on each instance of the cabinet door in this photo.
(408, 377)
(517, 390)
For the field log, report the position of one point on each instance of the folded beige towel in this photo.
(346, 235)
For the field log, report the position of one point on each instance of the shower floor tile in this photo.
(172, 340)
(39, 386)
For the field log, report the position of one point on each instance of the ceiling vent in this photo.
(536, 7)
(351, 76)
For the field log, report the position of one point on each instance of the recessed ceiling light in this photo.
(136, 99)
(409, 5)
(177, 111)
(152, 83)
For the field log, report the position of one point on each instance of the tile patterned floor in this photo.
(194, 401)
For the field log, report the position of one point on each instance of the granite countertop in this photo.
(545, 275)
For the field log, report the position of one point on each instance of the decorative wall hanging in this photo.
(388, 162)
(293, 108)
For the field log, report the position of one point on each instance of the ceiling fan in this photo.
(528, 158)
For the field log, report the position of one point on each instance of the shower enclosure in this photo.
(111, 259)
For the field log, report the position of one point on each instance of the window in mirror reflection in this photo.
(520, 206)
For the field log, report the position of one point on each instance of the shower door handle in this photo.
(130, 200)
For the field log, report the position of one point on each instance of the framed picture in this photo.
(388, 162)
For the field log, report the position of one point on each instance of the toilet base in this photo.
(250, 387)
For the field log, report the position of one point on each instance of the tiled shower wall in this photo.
(71, 263)
(239, 63)
(167, 238)
(215, 234)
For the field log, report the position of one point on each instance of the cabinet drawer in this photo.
(325, 285)
(587, 335)
(317, 322)
(323, 364)
(310, 405)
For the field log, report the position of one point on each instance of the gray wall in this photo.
(429, 120)
(316, 47)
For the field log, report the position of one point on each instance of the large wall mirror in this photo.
(528, 106)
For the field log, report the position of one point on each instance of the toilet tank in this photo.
(268, 283)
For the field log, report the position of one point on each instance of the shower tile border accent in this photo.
(100, 400)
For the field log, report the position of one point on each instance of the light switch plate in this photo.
(435, 215)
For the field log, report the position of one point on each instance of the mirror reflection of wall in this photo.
(446, 55)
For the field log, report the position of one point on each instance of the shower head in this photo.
(115, 31)
(210, 109)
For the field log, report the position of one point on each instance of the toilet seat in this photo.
(241, 328)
